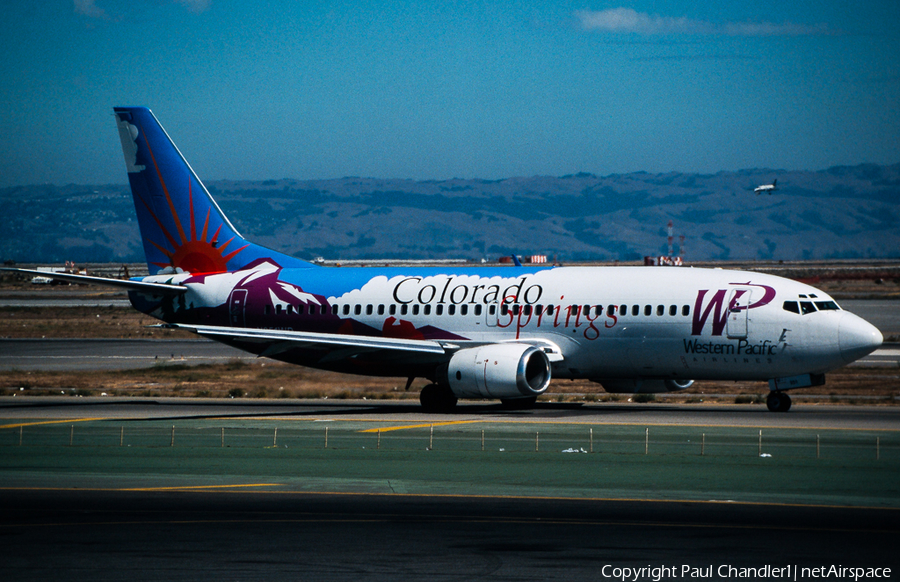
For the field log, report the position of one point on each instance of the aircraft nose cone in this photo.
(857, 337)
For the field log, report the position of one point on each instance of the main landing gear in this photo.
(778, 401)
(436, 398)
(518, 403)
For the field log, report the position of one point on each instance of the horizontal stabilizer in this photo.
(129, 284)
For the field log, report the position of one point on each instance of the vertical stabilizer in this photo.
(182, 227)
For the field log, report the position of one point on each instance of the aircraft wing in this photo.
(131, 285)
(339, 346)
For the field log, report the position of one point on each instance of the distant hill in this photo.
(841, 212)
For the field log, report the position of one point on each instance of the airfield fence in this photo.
(535, 439)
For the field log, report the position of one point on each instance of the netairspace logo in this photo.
(729, 572)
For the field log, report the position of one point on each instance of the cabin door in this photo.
(738, 313)
(236, 307)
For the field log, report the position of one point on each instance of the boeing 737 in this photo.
(473, 333)
(766, 187)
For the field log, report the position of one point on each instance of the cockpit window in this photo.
(805, 307)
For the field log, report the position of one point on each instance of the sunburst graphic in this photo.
(191, 253)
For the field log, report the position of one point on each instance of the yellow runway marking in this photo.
(588, 423)
(200, 487)
(425, 425)
(139, 489)
(49, 422)
(291, 492)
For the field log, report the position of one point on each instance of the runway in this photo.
(398, 411)
(111, 354)
(96, 503)
(208, 535)
(124, 354)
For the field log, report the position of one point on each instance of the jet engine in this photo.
(643, 385)
(505, 371)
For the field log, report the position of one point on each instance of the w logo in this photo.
(718, 307)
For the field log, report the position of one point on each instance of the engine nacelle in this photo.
(499, 371)
(643, 385)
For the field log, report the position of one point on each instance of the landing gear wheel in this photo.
(518, 403)
(436, 398)
(778, 402)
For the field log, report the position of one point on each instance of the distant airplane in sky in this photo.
(766, 187)
(473, 332)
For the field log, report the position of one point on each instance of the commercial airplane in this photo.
(767, 187)
(479, 332)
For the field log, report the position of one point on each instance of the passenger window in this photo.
(439, 310)
(334, 310)
(792, 307)
(300, 309)
(381, 310)
(492, 310)
(807, 307)
(516, 309)
(463, 309)
(427, 309)
(451, 310)
(416, 309)
(673, 310)
(610, 310)
(648, 310)
(623, 310)
(404, 309)
(827, 306)
(369, 310)
(392, 309)
(504, 309)
(290, 309)
(686, 310)
(346, 310)
(267, 309)
(635, 310)
(549, 310)
(660, 309)
(527, 309)
(357, 310)
(477, 309)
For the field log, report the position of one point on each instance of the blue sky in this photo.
(435, 90)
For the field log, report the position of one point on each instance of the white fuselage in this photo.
(595, 322)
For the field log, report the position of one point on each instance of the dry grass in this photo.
(237, 379)
(268, 379)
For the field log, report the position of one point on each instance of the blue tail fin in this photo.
(182, 227)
